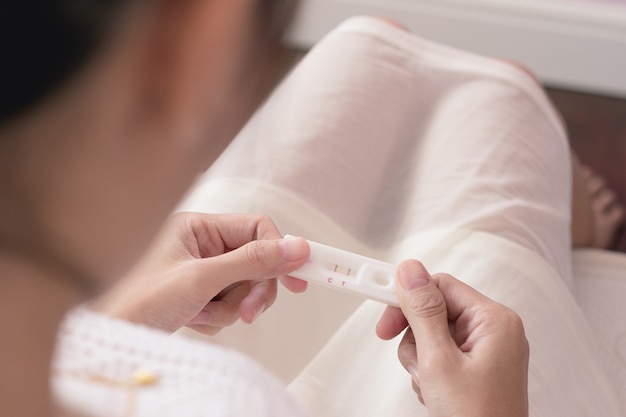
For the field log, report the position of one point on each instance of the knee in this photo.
(392, 22)
(521, 67)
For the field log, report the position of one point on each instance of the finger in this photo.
(424, 307)
(294, 285)
(224, 310)
(415, 384)
(418, 391)
(261, 296)
(256, 260)
(459, 296)
(236, 230)
(391, 323)
(406, 352)
(408, 359)
(215, 234)
(204, 329)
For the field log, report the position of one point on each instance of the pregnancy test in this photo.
(349, 272)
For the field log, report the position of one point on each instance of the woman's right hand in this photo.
(467, 354)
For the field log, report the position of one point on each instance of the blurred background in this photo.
(577, 48)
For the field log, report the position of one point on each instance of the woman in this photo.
(98, 147)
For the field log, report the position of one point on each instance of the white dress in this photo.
(391, 146)
(106, 368)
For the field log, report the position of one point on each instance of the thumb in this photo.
(424, 307)
(256, 260)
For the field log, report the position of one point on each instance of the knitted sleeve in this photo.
(107, 367)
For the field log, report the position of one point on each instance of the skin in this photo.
(597, 215)
(89, 175)
(183, 270)
(467, 355)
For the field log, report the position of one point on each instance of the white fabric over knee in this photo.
(390, 146)
(391, 135)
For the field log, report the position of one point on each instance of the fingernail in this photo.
(292, 249)
(413, 275)
(257, 312)
(203, 317)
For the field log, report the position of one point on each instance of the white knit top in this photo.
(107, 367)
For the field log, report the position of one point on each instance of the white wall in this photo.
(576, 44)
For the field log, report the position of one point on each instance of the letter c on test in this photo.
(330, 280)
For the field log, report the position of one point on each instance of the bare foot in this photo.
(597, 216)
(606, 212)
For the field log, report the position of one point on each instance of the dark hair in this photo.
(44, 42)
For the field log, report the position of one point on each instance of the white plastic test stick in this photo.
(350, 272)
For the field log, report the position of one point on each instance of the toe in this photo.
(607, 225)
(603, 200)
(585, 171)
(616, 214)
(595, 184)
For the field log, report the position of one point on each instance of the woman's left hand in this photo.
(207, 271)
